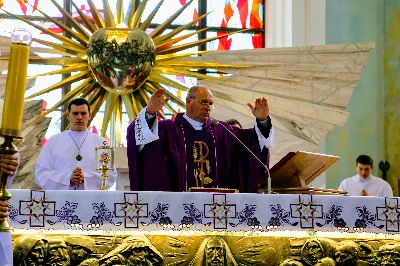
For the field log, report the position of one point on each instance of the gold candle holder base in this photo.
(10, 149)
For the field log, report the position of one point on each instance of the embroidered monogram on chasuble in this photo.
(200, 158)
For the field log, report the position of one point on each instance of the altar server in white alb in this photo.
(67, 160)
(364, 183)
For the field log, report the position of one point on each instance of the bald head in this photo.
(199, 102)
(197, 89)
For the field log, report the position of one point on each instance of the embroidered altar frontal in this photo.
(164, 228)
(154, 211)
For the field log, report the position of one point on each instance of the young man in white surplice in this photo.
(364, 183)
(67, 160)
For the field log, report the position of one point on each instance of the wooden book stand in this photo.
(293, 173)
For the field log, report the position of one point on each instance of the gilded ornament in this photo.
(389, 254)
(120, 64)
(29, 250)
(198, 250)
(121, 59)
(347, 254)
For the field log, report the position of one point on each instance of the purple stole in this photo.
(201, 167)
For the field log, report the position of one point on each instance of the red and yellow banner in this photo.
(22, 4)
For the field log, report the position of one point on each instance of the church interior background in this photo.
(247, 238)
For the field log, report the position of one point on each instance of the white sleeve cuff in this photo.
(143, 134)
(265, 142)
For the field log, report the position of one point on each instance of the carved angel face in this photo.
(79, 253)
(215, 253)
(313, 252)
(36, 255)
(345, 257)
(58, 253)
(138, 257)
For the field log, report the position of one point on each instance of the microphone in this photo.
(216, 122)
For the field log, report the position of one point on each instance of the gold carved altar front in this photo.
(200, 250)
(197, 229)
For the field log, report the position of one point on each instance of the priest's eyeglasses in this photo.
(204, 102)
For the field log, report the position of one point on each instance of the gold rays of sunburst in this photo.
(168, 58)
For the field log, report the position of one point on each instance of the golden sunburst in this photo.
(168, 59)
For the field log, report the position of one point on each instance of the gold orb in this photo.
(121, 59)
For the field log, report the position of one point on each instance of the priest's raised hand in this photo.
(156, 102)
(260, 109)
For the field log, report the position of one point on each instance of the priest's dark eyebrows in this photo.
(81, 113)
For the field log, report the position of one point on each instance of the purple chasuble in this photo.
(200, 160)
(169, 163)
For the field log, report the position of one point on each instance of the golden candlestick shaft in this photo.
(14, 103)
(15, 90)
(6, 148)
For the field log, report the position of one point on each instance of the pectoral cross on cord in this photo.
(79, 157)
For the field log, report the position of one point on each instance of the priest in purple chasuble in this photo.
(192, 149)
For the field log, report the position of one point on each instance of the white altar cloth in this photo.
(154, 211)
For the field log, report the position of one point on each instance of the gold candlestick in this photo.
(14, 103)
(105, 162)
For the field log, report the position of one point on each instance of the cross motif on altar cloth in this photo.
(220, 211)
(37, 208)
(390, 214)
(131, 210)
(307, 211)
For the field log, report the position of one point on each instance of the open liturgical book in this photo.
(294, 172)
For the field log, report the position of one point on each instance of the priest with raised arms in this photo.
(194, 150)
(67, 160)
